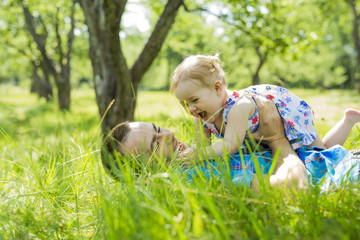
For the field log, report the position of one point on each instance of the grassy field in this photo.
(53, 186)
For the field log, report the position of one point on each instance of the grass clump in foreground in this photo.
(53, 185)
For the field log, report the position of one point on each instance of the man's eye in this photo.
(157, 144)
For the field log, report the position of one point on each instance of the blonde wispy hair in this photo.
(203, 69)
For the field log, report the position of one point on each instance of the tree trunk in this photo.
(35, 79)
(262, 60)
(113, 79)
(356, 40)
(46, 89)
(64, 94)
(61, 73)
(40, 85)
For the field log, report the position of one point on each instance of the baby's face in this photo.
(202, 101)
(148, 138)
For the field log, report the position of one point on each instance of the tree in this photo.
(39, 84)
(340, 33)
(266, 27)
(270, 27)
(185, 39)
(61, 70)
(356, 39)
(113, 78)
(14, 37)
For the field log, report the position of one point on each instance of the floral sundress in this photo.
(297, 116)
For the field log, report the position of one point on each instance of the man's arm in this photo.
(290, 169)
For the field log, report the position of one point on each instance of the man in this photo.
(140, 138)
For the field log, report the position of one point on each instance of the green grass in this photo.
(53, 186)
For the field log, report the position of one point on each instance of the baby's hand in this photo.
(185, 156)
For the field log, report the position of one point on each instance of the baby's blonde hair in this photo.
(205, 69)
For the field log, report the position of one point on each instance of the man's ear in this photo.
(218, 86)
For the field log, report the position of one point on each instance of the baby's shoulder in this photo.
(244, 105)
(245, 100)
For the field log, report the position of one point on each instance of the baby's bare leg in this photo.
(317, 143)
(340, 132)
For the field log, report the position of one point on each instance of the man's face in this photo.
(148, 138)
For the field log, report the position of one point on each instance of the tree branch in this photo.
(222, 17)
(155, 41)
(40, 40)
(22, 51)
(71, 35)
(58, 38)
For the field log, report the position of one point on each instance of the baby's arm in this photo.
(234, 133)
(236, 128)
(237, 122)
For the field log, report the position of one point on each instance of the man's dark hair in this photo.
(112, 147)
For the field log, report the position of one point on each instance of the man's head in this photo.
(139, 139)
(111, 145)
(116, 137)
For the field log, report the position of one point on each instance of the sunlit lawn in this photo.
(52, 184)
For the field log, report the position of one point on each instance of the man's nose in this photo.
(167, 135)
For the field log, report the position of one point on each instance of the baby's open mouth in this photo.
(179, 146)
(203, 115)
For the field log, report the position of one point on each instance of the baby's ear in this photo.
(218, 86)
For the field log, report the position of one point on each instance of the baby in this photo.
(199, 85)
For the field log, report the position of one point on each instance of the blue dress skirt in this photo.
(325, 167)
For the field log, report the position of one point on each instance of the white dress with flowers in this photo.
(297, 115)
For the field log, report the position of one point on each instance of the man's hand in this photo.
(271, 127)
(291, 172)
(290, 168)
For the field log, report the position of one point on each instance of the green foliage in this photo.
(19, 49)
(185, 38)
(305, 44)
(53, 185)
(308, 43)
(13, 37)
